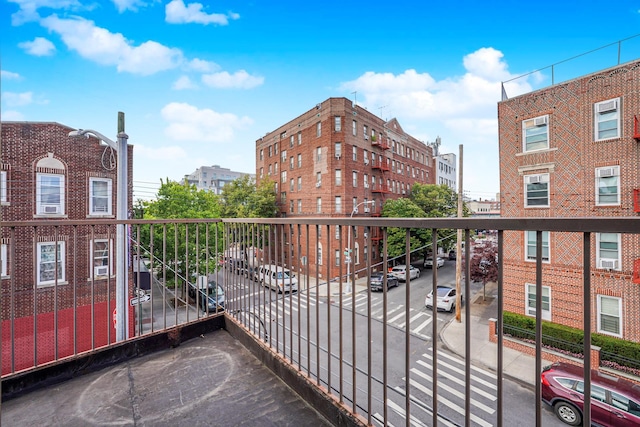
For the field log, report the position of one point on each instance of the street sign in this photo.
(140, 299)
(347, 259)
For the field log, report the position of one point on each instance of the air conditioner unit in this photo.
(403, 192)
(51, 209)
(366, 185)
(366, 137)
(605, 172)
(367, 210)
(102, 270)
(533, 179)
(366, 235)
(607, 106)
(366, 161)
(539, 121)
(318, 184)
(609, 264)
(338, 155)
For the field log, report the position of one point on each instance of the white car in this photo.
(446, 298)
(399, 271)
(428, 262)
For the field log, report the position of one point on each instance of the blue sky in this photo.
(199, 83)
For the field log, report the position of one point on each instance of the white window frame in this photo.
(4, 253)
(542, 178)
(319, 253)
(299, 183)
(609, 110)
(607, 173)
(92, 197)
(337, 257)
(608, 262)
(356, 250)
(319, 129)
(338, 204)
(354, 178)
(61, 262)
(319, 153)
(338, 179)
(338, 123)
(530, 289)
(354, 154)
(546, 236)
(3, 187)
(319, 205)
(40, 206)
(354, 128)
(299, 160)
(96, 273)
(337, 148)
(539, 125)
(600, 314)
(299, 205)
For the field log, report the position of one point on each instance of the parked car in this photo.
(428, 262)
(377, 283)
(452, 255)
(446, 298)
(211, 298)
(399, 271)
(277, 278)
(614, 401)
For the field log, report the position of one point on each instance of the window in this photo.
(283, 197)
(283, 177)
(530, 290)
(291, 206)
(270, 151)
(319, 153)
(275, 149)
(338, 149)
(269, 171)
(338, 232)
(261, 172)
(284, 155)
(365, 155)
(318, 179)
(291, 184)
(101, 255)
(3, 255)
(319, 249)
(356, 254)
(100, 190)
(355, 179)
(337, 255)
(530, 246)
(338, 177)
(608, 186)
(624, 404)
(536, 191)
(275, 167)
(299, 160)
(319, 129)
(291, 162)
(47, 257)
(366, 181)
(354, 203)
(49, 194)
(299, 138)
(299, 205)
(535, 134)
(338, 204)
(262, 154)
(338, 123)
(608, 251)
(365, 130)
(355, 153)
(3, 186)
(319, 205)
(607, 119)
(299, 183)
(292, 140)
(354, 129)
(610, 315)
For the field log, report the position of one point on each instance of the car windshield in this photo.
(215, 289)
(443, 292)
(282, 275)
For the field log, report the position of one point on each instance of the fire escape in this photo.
(380, 187)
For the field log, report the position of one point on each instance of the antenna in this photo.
(355, 97)
(380, 108)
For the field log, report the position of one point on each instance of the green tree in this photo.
(243, 199)
(396, 237)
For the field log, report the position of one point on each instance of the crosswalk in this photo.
(450, 395)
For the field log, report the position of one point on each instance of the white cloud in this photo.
(240, 79)
(171, 153)
(188, 123)
(132, 5)
(179, 13)
(100, 45)
(202, 66)
(11, 116)
(28, 11)
(184, 82)
(8, 75)
(38, 47)
(13, 99)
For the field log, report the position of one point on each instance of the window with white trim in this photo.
(46, 268)
(299, 138)
(610, 315)
(291, 141)
(319, 205)
(299, 160)
(608, 251)
(356, 254)
(299, 183)
(338, 204)
(608, 186)
(337, 256)
(319, 153)
(3, 255)
(100, 194)
(319, 129)
(338, 177)
(101, 250)
(530, 291)
(536, 191)
(338, 123)
(283, 155)
(299, 205)
(354, 128)
(338, 232)
(49, 194)
(607, 119)
(530, 246)
(319, 255)
(354, 154)
(3, 186)
(337, 149)
(535, 134)
(354, 178)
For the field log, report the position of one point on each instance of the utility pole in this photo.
(459, 241)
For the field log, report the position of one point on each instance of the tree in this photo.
(483, 265)
(241, 198)
(396, 237)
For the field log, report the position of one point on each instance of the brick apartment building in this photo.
(47, 271)
(339, 160)
(572, 150)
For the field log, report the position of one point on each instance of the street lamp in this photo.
(348, 251)
(121, 215)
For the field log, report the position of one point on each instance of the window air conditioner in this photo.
(610, 264)
(605, 172)
(338, 155)
(367, 210)
(318, 184)
(533, 179)
(366, 185)
(102, 270)
(366, 137)
(540, 121)
(366, 235)
(607, 106)
(52, 209)
(366, 161)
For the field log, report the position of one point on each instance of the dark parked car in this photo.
(212, 300)
(452, 254)
(614, 401)
(377, 283)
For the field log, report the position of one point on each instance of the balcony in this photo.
(380, 143)
(181, 364)
(381, 166)
(384, 189)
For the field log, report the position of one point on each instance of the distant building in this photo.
(484, 208)
(340, 160)
(445, 166)
(213, 178)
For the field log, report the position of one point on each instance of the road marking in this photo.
(378, 417)
(423, 406)
(460, 371)
(461, 362)
(457, 380)
(399, 316)
(403, 414)
(422, 325)
(420, 313)
(442, 385)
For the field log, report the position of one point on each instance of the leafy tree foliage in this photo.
(396, 237)
(483, 265)
(242, 199)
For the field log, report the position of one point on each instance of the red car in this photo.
(614, 402)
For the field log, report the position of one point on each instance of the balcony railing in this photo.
(55, 309)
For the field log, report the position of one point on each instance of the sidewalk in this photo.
(517, 366)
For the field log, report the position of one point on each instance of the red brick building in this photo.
(572, 150)
(336, 160)
(53, 276)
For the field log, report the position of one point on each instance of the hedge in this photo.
(551, 332)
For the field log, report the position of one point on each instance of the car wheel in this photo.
(451, 307)
(568, 413)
